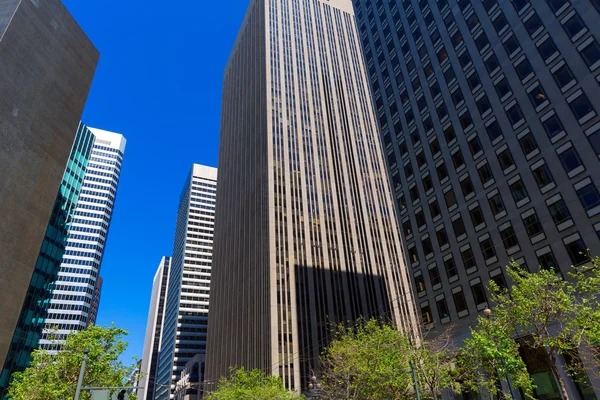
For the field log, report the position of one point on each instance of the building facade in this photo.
(28, 332)
(76, 287)
(186, 308)
(306, 233)
(488, 112)
(190, 384)
(154, 330)
(47, 68)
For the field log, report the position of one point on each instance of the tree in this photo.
(54, 376)
(250, 385)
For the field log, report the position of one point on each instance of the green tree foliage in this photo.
(250, 385)
(54, 377)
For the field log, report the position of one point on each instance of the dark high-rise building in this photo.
(488, 112)
(46, 71)
(306, 233)
(95, 306)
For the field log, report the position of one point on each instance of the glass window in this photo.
(574, 25)
(570, 159)
(457, 159)
(506, 159)
(547, 48)
(578, 252)
(443, 309)
(459, 227)
(442, 111)
(413, 255)
(426, 315)
(477, 216)
(465, 120)
(449, 75)
(500, 281)
(401, 202)
(468, 259)
(594, 139)
(408, 170)
(485, 173)
(509, 237)
(427, 122)
(427, 183)
(556, 5)
(406, 226)
(514, 114)
(434, 276)
(503, 88)
(589, 196)
(524, 69)
(427, 247)
(563, 76)
(559, 211)
(553, 126)
(491, 64)
(511, 45)
(533, 24)
(581, 106)
(420, 217)
(479, 294)
(528, 144)
(533, 226)
(487, 249)
(542, 176)
(403, 148)
(494, 131)
(591, 53)
(450, 198)
(414, 137)
(459, 302)
(434, 208)
(435, 90)
(442, 171)
(442, 237)
(420, 284)
(481, 42)
(548, 262)
(473, 81)
(421, 160)
(467, 187)
(449, 134)
(475, 145)
(483, 105)
(537, 96)
(500, 22)
(450, 267)
(457, 38)
(457, 97)
(414, 193)
(434, 146)
(489, 4)
(442, 55)
(518, 191)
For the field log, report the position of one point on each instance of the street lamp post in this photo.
(81, 374)
(315, 387)
(488, 313)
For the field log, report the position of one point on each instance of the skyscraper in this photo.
(46, 71)
(186, 308)
(154, 330)
(76, 287)
(306, 233)
(28, 332)
(488, 112)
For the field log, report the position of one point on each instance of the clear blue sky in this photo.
(159, 84)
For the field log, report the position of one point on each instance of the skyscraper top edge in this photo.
(116, 140)
(204, 171)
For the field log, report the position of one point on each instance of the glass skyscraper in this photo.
(306, 233)
(31, 322)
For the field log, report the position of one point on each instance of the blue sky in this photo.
(159, 84)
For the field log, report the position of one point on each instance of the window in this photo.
(449, 75)
(427, 122)
(406, 226)
(450, 198)
(434, 276)
(467, 187)
(518, 191)
(556, 5)
(414, 135)
(421, 160)
(570, 159)
(499, 281)
(413, 255)
(442, 171)
(509, 237)
(559, 211)
(489, 4)
(533, 24)
(420, 217)
(483, 105)
(494, 131)
(563, 76)
(459, 302)
(442, 237)
(487, 249)
(547, 48)
(475, 145)
(578, 252)
(420, 284)
(589, 196)
(459, 227)
(537, 96)
(491, 64)
(503, 88)
(465, 120)
(457, 159)
(427, 183)
(506, 159)
(450, 267)
(581, 106)
(499, 23)
(414, 193)
(524, 69)
(442, 111)
(401, 202)
(403, 148)
(573, 26)
(464, 59)
(468, 259)
(542, 176)
(481, 42)
(434, 146)
(443, 309)
(528, 144)
(473, 81)
(591, 53)
(496, 204)
(594, 139)
(435, 90)
(553, 126)
(477, 216)
(434, 208)
(427, 246)
(457, 97)
(511, 45)
(533, 226)
(408, 170)
(426, 315)
(514, 114)
(449, 134)
(422, 105)
(485, 174)
(442, 55)
(548, 262)
(479, 293)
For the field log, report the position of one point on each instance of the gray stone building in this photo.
(488, 112)
(306, 233)
(46, 68)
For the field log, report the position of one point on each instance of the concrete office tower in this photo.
(154, 330)
(489, 117)
(74, 291)
(28, 332)
(306, 233)
(46, 71)
(186, 308)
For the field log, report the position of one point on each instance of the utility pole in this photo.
(81, 374)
